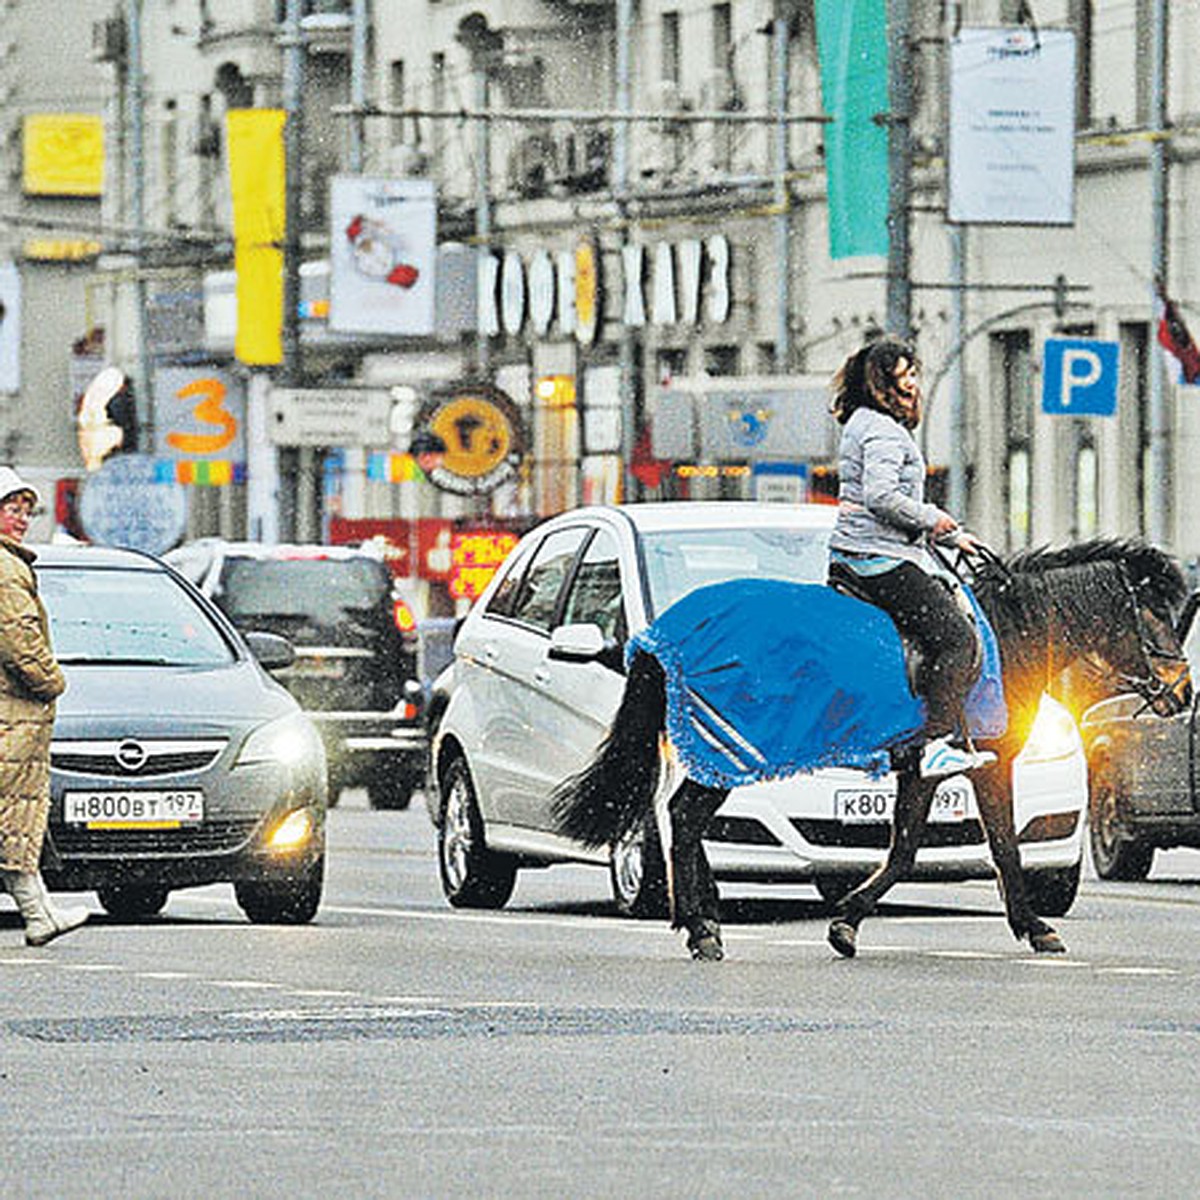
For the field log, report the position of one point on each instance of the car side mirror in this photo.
(577, 643)
(272, 651)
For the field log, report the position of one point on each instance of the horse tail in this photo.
(613, 793)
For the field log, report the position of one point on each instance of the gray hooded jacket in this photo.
(881, 495)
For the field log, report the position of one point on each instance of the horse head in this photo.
(1107, 603)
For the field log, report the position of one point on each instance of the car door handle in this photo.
(541, 677)
(490, 654)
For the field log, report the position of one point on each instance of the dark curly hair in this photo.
(867, 379)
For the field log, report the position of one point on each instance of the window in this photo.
(396, 97)
(538, 598)
(670, 68)
(1013, 366)
(595, 595)
(721, 360)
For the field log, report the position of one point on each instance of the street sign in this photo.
(330, 417)
(1079, 377)
(128, 502)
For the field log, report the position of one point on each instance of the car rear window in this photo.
(678, 561)
(104, 615)
(321, 590)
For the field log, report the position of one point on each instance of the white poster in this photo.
(382, 255)
(1012, 127)
(10, 328)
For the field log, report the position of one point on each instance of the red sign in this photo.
(463, 556)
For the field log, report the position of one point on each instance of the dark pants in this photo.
(925, 612)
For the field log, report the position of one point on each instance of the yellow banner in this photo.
(63, 155)
(256, 179)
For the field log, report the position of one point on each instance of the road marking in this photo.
(967, 954)
(163, 975)
(242, 984)
(24, 962)
(92, 967)
(1137, 971)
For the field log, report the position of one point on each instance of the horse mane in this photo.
(1019, 595)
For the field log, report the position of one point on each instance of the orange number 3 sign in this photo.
(210, 410)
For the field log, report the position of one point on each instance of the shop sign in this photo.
(483, 436)
(475, 556)
(663, 284)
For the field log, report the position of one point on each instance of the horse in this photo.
(1107, 604)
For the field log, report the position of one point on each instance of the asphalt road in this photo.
(395, 1048)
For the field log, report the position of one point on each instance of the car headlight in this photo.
(290, 741)
(1054, 733)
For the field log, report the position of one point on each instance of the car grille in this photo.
(211, 837)
(877, 835)
(114, 757)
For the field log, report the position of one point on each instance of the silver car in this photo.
(525, 704)
(176, 760)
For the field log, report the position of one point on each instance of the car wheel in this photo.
(638, 874)
(132, 901)
(392, 793)
(472, 875)
(283, 901)
(1116, 852)
(1052, 890)
(834, 886)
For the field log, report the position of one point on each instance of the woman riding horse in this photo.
(879, 549)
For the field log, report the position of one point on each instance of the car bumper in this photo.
(233, 843)
(789, 829)
(356, 742)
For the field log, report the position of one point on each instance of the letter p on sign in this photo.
(1079, 377)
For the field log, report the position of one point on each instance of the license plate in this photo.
(134, 809)
(858, 806)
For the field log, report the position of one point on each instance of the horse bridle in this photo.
(1150, 686)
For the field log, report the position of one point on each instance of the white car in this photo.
(519, 710)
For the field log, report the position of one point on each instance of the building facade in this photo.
(634, 247)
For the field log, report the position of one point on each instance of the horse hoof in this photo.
(704, 942)
(1047, 943)
(843, 937)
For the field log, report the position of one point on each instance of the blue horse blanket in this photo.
(766, 678)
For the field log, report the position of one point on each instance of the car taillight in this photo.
(403, 616)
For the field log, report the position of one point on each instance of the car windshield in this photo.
(680, 560)
(317, 590)
(130, 618)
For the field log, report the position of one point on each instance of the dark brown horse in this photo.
(1106, 603)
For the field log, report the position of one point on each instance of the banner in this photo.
(63, 154)
(256, 180)
(852, 47)
(1012, 127)
(382, 256)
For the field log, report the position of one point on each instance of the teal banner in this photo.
(852, 47)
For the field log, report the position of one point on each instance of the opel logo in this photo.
(131, 755)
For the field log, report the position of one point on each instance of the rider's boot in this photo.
(704, 940)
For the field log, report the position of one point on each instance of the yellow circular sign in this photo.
(477, 433)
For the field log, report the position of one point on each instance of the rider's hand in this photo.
(968, 543)
(944, 525)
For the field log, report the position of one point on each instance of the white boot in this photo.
(43, 922)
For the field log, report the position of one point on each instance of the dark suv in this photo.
(355, 672)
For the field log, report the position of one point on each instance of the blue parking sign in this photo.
(1079, 377)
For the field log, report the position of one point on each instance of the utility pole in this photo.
(1157, 482)
(298, 492)
(899, 131)
(783, 268)
(627, 384)
(142, 375)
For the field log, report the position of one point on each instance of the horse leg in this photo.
(913, 798)
(696, 900)
(994, 798)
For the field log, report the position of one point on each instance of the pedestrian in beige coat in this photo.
(30, 681)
